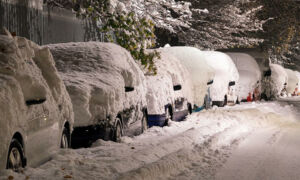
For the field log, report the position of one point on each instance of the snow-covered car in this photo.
(169, 95)
(107, 89)
(279, 79)
(36, 111)
(292, 83)
(223, 90)
(297, 90)
(201, 73)
(249, 85)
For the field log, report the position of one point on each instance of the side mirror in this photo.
(129, 89)
(177, 87)
(210, 82)
(35, 101)
(231, 83)
(268, 73)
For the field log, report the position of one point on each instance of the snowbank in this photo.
(27, 72)
(278, 78)
(191, 149)
(292, 81)
(96, 75)
(249, 73)
(201, 73)
(225, 72)
(170, 72)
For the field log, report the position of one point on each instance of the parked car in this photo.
(279, 79)
(297, 90)
(169, 95)
(107, 89)
(202, 75)
(36, 111)
(292, 83)
(249, 85)
(223, 90)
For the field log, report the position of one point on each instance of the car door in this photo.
(42, 133)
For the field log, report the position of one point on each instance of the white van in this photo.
(36, 115)
(249, 85)
(107, 89)
(223, 90)
(201, 73)
(169, 95)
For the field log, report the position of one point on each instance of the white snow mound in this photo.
(278, 78)
(292, 81)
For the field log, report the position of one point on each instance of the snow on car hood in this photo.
(199, 70)
(96, 75)
(27, 72)
(292, 81)
(279, 77)
(170, 72)
(225, 72)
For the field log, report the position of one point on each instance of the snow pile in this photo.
(250, 74)
(27, 72)
(201, 73)
(278, 78)
(292, 81)
(192, 149)
(170, 72)
(96, 75)
(225, 72)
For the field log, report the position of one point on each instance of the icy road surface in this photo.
(248, 141)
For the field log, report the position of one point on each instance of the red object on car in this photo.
(249, 97)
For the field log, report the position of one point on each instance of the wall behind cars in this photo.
(44, 24)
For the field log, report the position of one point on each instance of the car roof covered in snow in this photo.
(249, 72)
(279, 77)
(292, 80)
(170, 72)
(96, 75)
(201, 73)
(225, 72)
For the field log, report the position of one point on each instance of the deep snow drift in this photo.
(292, 81)
(192, 149)
(96, 75)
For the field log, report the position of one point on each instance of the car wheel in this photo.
(144, 123)
(15, 159)
(225, 100)
(64, 143)
(118, 132)
(190, 108)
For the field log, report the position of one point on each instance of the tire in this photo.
(225, 101)
(190, 108)
(118, 132)
(15, 159)
(65, 139)
(144, 123)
